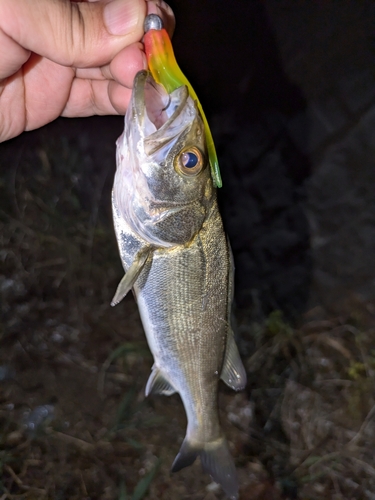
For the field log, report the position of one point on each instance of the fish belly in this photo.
(182, 295)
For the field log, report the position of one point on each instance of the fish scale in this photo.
(177, 261)
(170, 298)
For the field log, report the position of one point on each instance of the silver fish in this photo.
(178, 263)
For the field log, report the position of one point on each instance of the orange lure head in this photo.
(165, 71)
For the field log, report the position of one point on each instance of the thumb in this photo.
(83, 34)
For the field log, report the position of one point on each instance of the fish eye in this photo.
(189, 161)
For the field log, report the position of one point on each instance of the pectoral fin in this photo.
(131, 275)
(157, 384)
(233, 372)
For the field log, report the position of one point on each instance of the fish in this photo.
(178, 263)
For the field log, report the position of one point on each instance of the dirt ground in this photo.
(74, 423)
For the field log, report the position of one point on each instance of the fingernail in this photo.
(121, 16)
(153, 8)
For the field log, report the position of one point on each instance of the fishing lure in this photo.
(165, 71)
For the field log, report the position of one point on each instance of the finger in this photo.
(119, 97)
(12, 56)
(46, 90)
(33, 96)
(12, 113)
(122, 68)
(127, 63)
(99, 97)
(80, 34)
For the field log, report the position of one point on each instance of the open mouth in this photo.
(158, 111)
(157, 102)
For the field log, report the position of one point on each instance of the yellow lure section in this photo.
(165, 70)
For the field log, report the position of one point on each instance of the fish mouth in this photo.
(161, 116)
(161, 206)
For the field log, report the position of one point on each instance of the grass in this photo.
(142, 487)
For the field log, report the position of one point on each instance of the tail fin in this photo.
(216, 460)
(185, 457)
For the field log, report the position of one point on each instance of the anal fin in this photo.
(157, 384)
(233, 372)
(131, 275)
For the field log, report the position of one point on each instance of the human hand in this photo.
(71, 59)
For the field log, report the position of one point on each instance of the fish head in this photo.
(163, 187)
